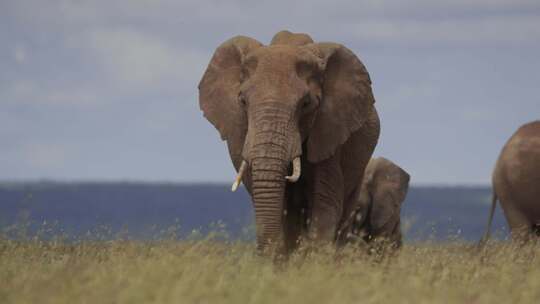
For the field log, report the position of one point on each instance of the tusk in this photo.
(297, 165)
(238, 179)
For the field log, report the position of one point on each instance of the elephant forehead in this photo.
(277, 57)
(275, 75)
(389, 176)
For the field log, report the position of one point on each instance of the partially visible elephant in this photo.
(300, 125)
(377, 217)
(516, 183)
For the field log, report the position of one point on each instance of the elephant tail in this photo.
(490, 219)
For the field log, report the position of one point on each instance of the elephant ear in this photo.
(218, 92)
(404, 179)
(389, 196)
(346, 100)
(382, 211)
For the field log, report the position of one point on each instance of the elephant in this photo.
(516, 183)
(300, 125)
(377, 217)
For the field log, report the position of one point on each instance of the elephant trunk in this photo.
(272, 142)
(268, 190)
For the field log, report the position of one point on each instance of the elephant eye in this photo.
(306, 103)
(304, 69)
(309, 102)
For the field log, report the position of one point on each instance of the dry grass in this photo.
(214, 272)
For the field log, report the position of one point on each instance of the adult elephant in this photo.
(298, 106)
(377, 219)
(516, 182)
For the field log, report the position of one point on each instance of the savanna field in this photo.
(79, 261)
(210, 271)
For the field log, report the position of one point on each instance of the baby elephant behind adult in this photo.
(516, 182)
(376, 219)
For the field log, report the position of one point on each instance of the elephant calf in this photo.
(376, 219)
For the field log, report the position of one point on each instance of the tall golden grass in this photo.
(209, 271)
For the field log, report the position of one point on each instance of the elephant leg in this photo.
(397, 236)
(326, 201)
(520, 227)
(295, 215)
(353, 212)
(356, 154)
(394, 236)
(536, 230)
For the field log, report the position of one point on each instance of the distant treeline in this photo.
(154, 210)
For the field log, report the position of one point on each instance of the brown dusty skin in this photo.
(293, 100)
(516, 182)
(383, 190)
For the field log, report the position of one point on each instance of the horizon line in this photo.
(187, 183)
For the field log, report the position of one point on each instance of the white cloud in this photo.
(448, 6)
(477, 114)
(125, 74)
(123, 63)
(400, 97)
(30, 91)
(19, 54)
(476, 31)
(144, 61)
(390, 21)
(44, 156)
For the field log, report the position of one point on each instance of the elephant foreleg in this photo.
(326, 201)
(295, 214)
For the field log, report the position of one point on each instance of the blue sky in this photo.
(93, 90)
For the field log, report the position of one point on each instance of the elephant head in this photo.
(383, 190)
(291, 101)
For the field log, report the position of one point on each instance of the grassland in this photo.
(207, 271)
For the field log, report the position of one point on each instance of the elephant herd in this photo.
(300, 124)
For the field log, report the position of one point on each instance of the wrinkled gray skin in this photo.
(293, 99)
(516, 183)
(377, 218)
